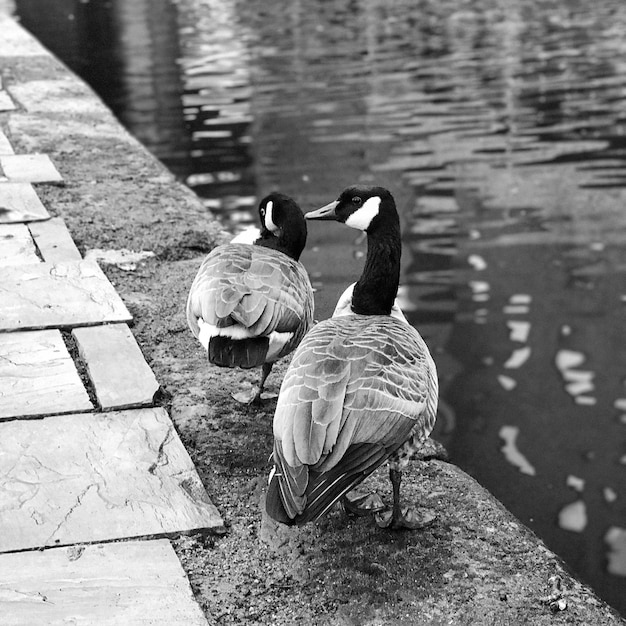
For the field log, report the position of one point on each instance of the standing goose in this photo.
(361, 388)
(251, 301)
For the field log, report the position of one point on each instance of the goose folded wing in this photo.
(260, 289)
(338, 419)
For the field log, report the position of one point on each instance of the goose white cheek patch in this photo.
(362, 218)
(269, 222)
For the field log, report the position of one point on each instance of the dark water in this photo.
(500, 128)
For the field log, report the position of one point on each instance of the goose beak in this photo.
(327, 212)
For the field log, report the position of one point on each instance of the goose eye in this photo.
(356, 200)
(262, 212)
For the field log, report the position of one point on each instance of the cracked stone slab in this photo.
(29, 168)
(16, 245)
(54, 241)
(130, 583)
(58, 295)
(95, 477)
(38, 376)
(20, 203)
(119, 373)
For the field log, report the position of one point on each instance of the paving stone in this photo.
(54, 241)
(58, 295)
(16, 245)
(119, 373)
(29, 168)
(20, 203)
(113, 584)
(5, 146)
(97, 476)
(38, 376)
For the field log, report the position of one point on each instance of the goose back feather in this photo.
(244, 291)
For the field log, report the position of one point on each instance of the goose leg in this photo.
(254, 395)
(398, 517)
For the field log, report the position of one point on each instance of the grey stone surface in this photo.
(6, 104)
(114, 584)
(56, 96)
(119, 373)
(20, 203)
(16, 42)
(95, 477)
(16, 245)
(58, 295)
(29, 168)
(38, 376)
(54, 241)
(5, 145)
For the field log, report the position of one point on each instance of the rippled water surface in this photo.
(500, 128)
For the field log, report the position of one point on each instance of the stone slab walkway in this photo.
(84, 471)
(38, 376)
(136, 582)
(20, 203)
(61, 295)
(95, 477)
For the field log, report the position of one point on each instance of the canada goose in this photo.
(250, 305)
(361, 388)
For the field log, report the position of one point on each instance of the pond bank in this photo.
(475, 565)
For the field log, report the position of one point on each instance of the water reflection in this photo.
(128, 52)
(499, 127)
(215, 70)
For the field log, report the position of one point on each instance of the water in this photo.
(500, 128)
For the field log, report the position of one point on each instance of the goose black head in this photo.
(282, 224)
(360, 207)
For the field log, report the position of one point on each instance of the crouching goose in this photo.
(361, 388)
(250, 305)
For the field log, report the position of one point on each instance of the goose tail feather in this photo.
(245, 353)
(322, 489)
(326, 488)
(274, 503)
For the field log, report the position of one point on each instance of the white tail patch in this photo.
(269, 218)
(362, 218)
(237, 331)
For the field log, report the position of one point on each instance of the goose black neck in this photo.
(290, 240)
(376, 290)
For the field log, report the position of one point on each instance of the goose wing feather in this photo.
(259, 288)
(356, 384)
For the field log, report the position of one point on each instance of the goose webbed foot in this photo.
(253, 395)
(405, 519)
(360, 504)
(402, 518)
